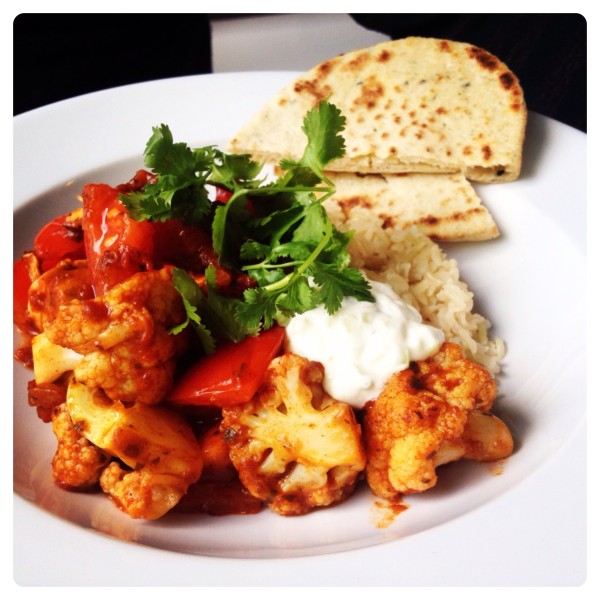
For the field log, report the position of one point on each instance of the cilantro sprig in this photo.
(210, 314)
(184, 177)
(277, 231)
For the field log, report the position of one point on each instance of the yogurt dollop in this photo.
(364, 343)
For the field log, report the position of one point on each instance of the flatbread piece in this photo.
(444, 207)
(411, 105)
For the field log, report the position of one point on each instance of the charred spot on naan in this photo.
(371, 92)
(314, 88)
(384, 56)
(510, 83)
(436, 224)
(444, 46)
(347, 204)
(357, 62)
(484, 58)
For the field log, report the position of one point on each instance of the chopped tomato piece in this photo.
(116, 245)
(45, 397)
(185, 246)
(223, 195)
(231, 375)
(137, 182)
(59, 239)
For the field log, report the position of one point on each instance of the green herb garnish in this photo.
(275, 231)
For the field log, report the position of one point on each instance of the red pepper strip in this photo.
(222, 195)
(59, 239)
(116, 246)
(232, 375)
(137, 182)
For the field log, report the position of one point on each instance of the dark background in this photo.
(58, 56)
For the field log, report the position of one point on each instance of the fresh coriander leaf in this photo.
(299, 297)
(273, 227)
(299, 175)
(143, 206)
(336, 251)
(253, 250)
(165, 157)
(192, 296)
(298, 252)
(229, 230)
(179, 191)
(322, 127)
(212, 315)
(313, 227)
(219, 312)
(259, 309)
(267, 275)
(191, 204)
(233, 170)
(335, 284)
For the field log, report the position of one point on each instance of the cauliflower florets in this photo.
(293, 445)
(50, 360)
(124, 337)
(157, 445)
(484, 438)
(66, 282)
(77, 463)
(427, 415)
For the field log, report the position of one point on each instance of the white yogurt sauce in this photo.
(364, 343)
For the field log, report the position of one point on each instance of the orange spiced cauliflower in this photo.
(432, 413)
(293, 445)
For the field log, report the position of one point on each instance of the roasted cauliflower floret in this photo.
(484, 438)
(156, 444)
(459, 380)
(124, 337)
(77, 463)
(132, 373)
(50, 360)
(66, 282)
(293, 445)
(427, 415)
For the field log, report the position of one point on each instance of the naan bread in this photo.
(444, 207)
(411, 105)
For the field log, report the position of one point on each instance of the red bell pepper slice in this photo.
(222, 195)
(232, 375)
(116, 245)
(59, 239)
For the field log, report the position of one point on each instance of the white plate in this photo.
(523, 526)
